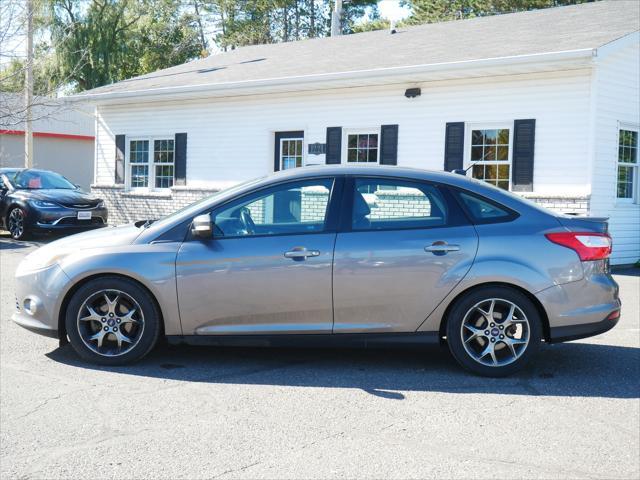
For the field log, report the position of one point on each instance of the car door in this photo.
(402, 247)
(267, 269)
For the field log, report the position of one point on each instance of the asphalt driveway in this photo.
(196, 412)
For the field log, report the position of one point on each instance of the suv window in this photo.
(291, 208)
(392, 204)
(482, 210)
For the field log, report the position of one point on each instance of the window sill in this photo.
(626, 205)
(146, 194)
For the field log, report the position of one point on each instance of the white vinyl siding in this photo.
(220, 155)
(616, 107)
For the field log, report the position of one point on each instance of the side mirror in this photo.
(202, 227)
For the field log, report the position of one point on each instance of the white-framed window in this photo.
(151, 162)
(627, 164)
(291, 153)
(361, 146)
(139, 163)
(489, 152)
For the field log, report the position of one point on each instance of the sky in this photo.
(392, 10)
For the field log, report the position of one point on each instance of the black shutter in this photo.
(454, 146)
(119, 166)
(181, 158)
(389, 145)
(524, 139)
(279, 136)
(334, 145)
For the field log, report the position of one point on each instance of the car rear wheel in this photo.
(17, 223)
(112, 321)
(494, 331)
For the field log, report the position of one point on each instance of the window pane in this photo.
(390, 204)
(502, 153)
(481, 209)
(503, 172)
(362, 148)
(489, 153)
(139, 176)
(478, 172)
(164, 176)
(298, 207)
(139, 151)
(476, 154)
(490, 172)
(477, 137)
(490, 137)
(503, 136)
(625, 182)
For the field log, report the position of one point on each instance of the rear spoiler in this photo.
(591, 224)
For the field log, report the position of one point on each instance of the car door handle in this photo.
(441, 247)
(301, 253)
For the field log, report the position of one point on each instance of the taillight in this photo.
(588, 245)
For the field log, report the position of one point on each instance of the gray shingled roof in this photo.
(585, 26)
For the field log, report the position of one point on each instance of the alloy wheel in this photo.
(16, 223)
(110, 322)
(495, 332)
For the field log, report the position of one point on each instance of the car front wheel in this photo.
(494, 331)
(112, 321)
(17, 223)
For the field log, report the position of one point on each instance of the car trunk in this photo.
(585, 224)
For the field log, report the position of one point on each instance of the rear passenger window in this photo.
(483, 210)
(390, 204)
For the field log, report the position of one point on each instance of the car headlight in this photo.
(43, 204)
(42, 258)
(100, 205)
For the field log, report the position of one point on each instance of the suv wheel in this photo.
(112, 321)
(494, 331)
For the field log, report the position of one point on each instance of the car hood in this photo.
(99, 238)
(93, 239)
(61, 196)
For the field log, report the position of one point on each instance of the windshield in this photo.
(37, 179)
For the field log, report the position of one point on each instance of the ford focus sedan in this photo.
(348, 256)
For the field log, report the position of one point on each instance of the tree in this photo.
(104, 41)
(429, 11)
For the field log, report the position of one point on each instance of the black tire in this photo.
(149, 322)
(475, 342)
(17, 233)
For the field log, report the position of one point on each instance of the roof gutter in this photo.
(348, 75)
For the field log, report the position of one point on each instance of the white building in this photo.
(63, 138)
(544, 103)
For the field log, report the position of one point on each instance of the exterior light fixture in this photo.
(412, 92)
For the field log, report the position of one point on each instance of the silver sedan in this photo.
(348, 256)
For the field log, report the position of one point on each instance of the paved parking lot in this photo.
(195, 412)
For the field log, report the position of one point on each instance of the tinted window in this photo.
(389, 204)
(296, 207)
(483, 210)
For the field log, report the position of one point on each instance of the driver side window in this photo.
(291, 208)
